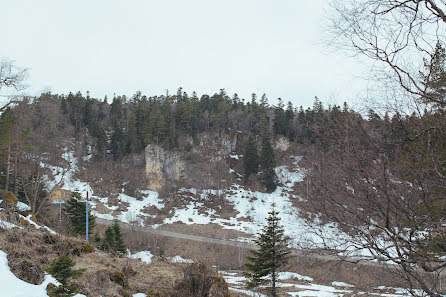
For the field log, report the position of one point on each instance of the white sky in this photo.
(244, 46)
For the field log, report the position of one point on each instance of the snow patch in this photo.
(31, 222)
(145, 256)
(8, 225)
(341, 284)
(293, 275)
(179, 259)
(15, 287)
(23, 207)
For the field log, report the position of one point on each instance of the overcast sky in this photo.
(244, 46)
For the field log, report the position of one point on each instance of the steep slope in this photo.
(27, 251)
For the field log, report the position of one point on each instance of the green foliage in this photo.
(113, 241)
(76, 211)
(61, 269)
(119, 241)
(267, 163)
(251, 158)
(272, 254)
(435, 78)
(7, 121)
(161, 254)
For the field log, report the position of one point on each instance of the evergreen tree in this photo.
(272, 254)
(251, 159)
(112, 241)
(119, 246)
(61, 270)
(108, 243)
(280, 119)
(267, 163)
(75, 209)
(7, 122)
(289, 114)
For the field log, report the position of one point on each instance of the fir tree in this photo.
(267, 163)
(272, 254)
(251, 159)
(75, 209)
(119, 246)
(112, 241)
(108, 243)
(61, 270)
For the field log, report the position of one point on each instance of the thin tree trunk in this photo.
(273, 289)
(8, 165)
(16, 164)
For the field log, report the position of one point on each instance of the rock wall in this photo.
(162, 165)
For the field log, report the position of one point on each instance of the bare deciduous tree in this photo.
(12, 77)
(384, 187)
(398, 34)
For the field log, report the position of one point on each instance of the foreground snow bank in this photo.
(14, 287)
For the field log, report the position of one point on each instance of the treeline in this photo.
(128, 125)
(39, 126)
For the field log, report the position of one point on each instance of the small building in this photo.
(58, 194)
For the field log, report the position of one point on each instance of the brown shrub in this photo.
(118, 278)
(8, 197)
(26, 270)
(201, 281)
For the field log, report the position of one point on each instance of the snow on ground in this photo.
(302, 286)
(22, 206)
(251, 207)
(134, 210)
(15, 287)
(145, 256)
(31, 222)
(255, 206)
(64, 177)
(293, 275)
(179, 259)
(341, 284)
(8, 225)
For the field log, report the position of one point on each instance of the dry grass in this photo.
(322, 271)
(209, 230)
(30, 251)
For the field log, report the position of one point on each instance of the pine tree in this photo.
(108, 243)
(272, 254)
(75, 209)
(119, 246)
(251, 159)
(61, 270)
(112, 241)
(267, 163)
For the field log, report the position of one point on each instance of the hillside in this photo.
(196, 177)
(27, 251)
(199, 181)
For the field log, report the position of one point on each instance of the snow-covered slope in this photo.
(250, 207)
(15, 287)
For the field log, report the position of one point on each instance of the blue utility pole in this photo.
(86, 210)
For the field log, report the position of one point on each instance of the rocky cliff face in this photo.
(164, 166)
